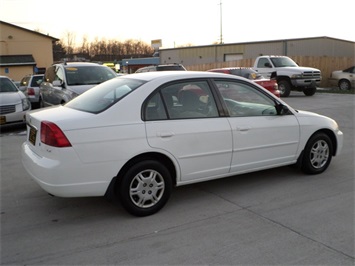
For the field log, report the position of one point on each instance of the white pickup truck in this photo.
(289, 75)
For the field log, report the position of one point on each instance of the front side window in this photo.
(102, 96)
(59, 74)
(183, 100)
(242, 99)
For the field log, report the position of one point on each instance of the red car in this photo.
(249, 73)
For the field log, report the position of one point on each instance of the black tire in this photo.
(344, 85)
(145, 188)
(317, 154)
(284, 88)
(309, 91)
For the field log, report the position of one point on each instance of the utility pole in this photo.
(220, 11)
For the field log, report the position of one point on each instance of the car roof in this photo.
(71, 64)
(172, 75)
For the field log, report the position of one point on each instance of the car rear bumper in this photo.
(56, 177)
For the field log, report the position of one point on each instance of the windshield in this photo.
(88, 75)
(283, 62)
(102, 96)
(7, 85)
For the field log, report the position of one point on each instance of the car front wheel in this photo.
(317, 154)
(344, 85)
(145, 188)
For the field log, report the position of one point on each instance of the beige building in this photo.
(23, 51)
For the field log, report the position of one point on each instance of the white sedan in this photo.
(139, 135)
(13, 103)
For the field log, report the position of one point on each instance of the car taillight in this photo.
(52, 135)
(30, 91)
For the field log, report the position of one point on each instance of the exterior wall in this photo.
(322, 46)
(16, 73)
(17, 41)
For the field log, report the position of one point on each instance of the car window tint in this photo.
(184, 100)
(242, 99)
(36, 80)
(88, 75)
(155, 109)
(102, 96)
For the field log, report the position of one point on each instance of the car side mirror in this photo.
(282, 109)
(267, 64)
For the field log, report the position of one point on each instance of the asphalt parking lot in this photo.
(273, 217)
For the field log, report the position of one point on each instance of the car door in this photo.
(262, 138)
(182, 119)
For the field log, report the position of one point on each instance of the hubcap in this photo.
(319, 154)
(344, 85)
(147, 188)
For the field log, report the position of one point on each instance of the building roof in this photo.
(257, 42)
(17, 60)
(31, 31)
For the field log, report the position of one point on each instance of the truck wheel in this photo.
(310, 91)
(284, 88)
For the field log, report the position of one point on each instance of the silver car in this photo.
(13, 103)
(29, 85)
(63, 82)
(344, 79)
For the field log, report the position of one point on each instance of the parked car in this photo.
(344, 79)
(29, 85)
(13, 103)
(247, 72)
(167, 67)
(64, 81)
(139, 135)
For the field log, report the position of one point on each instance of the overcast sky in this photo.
(177, 23)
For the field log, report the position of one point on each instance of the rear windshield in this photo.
(102, 96)
(36, 81)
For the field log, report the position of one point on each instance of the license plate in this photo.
(2, 120)
(32, 136)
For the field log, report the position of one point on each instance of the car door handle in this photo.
(243, 128)
(165, 134)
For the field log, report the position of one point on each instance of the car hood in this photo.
(9, 98)
(300, 69)
(79, 89)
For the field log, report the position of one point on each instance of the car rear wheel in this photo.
(145, 188)
(284, 88)
(317, 154)
(344, 85)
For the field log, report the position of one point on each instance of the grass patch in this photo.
(335, 90)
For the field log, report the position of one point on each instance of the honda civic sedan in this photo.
(140, 135)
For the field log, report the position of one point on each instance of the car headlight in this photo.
(297, 76)
(25, 104)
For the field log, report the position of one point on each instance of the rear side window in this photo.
(185, 100)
